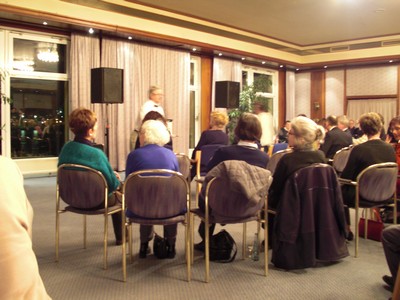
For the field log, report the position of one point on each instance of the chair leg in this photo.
(57, 234)
(265, 247)
(129, 225)
(191, 238)
(123, 228)
(84, 232)
(187, 248)
(105, 242)
(244, 241)
(207, 252)
(356, 233)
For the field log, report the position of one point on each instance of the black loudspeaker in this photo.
(107, 85)
(227, 94)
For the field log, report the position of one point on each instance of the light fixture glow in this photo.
(219, 54)
(44, 23)
(129, 37)
(391, 61)
(23, 65)
(91, 30)
(263, 62)
(325, 67)
(243, 58)
(48, 54)
(194, 49)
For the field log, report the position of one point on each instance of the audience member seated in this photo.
(248, 131)
(343, 124)
(216, 135)
(283, 133)
(354, 130)
(391, 247)
(151, 115)
(335, 138)
(83, 123)
(394, 138)
(20, 278)
(303, 136)
(152, 155)
(371, 152)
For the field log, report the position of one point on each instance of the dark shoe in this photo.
(144, 250)
(388, 280)
(350, 236)
(200, 246)
(171, 252)
(118, 242)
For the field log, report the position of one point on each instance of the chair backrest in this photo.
(279, 147)
(207, 152)
(156, 193)
(377, 182)
(184, 165)
(236, 189)
(81, 186)
(340, 159)
(273, 161)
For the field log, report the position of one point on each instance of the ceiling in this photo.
(298, 22)
(302, 27)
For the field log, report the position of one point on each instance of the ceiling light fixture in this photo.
(91, 30)
(263, 62)
(44, 23)
(194, 49)
(129, 38)
(325, 67)
(391, 60)
(243, 58)
(219, 54)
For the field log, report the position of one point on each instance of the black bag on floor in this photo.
(160, 246)
(222, 247)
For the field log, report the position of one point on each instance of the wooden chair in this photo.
(83, 188)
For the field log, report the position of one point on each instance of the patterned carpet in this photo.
(79, 273)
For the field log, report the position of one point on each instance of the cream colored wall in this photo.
(359, 82)
(372, 81)
(302, 95)
(334, 92)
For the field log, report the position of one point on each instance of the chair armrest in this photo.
(200, 180)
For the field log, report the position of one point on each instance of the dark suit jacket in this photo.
(335, 140)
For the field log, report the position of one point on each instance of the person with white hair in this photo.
(152, 154)
(156, 95)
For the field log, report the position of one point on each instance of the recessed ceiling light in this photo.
(263, 62)
(220, 54)
(297, 69)
(194, 49)
(129, 37)
(325, 67)
(91, 30)
(243, 58)
(44, 23)
(281, 66)
(391, 61)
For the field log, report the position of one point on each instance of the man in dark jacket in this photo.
(335, 138)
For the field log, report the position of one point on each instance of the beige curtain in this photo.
(224, 69)
(386, 107)
(143, 66)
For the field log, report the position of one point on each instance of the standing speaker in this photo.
(227, 94)
(107, 85)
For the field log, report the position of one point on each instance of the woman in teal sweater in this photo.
(83, 123)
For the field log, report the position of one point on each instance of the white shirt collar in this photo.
(248, 144)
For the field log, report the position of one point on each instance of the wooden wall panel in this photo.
(317, 108)
(206, 91)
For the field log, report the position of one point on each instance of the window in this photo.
(38, 86)
(194, 133)
(264, 83)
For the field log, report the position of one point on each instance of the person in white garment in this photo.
(156, 95)
(19, 275)
(267, 125)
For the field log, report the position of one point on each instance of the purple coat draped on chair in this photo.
(309, 224)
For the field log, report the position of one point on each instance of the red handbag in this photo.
(374, 229)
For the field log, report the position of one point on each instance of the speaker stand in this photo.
(107, 134)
